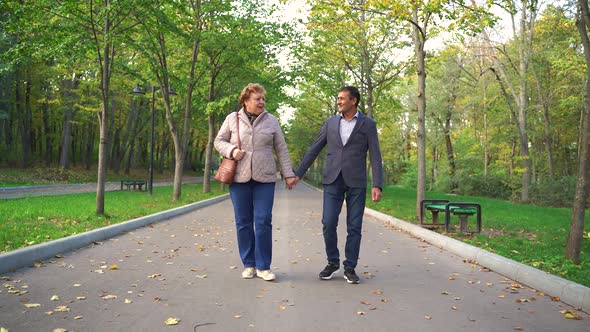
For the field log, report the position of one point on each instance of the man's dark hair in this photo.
(353, 92)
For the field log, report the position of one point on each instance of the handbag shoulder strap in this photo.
(238, 130)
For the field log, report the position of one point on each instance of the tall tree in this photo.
(574, 242)
(426, 20)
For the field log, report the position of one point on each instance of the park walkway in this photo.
(188, 268)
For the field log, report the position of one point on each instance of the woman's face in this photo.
(255, 104)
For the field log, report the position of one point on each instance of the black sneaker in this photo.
(329, 271)
(351, 276)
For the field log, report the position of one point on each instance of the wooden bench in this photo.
(135, 183)
(461, 209)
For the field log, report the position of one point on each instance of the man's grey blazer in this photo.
(350, 159)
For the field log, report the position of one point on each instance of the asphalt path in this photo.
(187, 268)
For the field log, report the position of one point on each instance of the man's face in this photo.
(344, 102)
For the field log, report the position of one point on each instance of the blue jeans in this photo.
(334, 195)
(253, 203)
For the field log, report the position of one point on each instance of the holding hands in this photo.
(291, 182)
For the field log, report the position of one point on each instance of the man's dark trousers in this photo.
(334, 195)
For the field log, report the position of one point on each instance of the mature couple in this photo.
(349, 135)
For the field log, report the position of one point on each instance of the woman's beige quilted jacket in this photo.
(258, 141)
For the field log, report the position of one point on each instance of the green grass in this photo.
(33, 220)
(533, 235)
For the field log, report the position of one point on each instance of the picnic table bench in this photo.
(461, 209)
(135, 183)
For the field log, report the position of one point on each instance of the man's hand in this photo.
(376, 194)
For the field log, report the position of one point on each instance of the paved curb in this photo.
(569, 292)
(16, 259)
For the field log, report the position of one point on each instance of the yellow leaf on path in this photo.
(60, 330)
(113, 267)
(282, 307)
(62, 308)
(32, 305)
(172, 321)
(519, 328)
(78, 317)
(127, 301)
(80, 297)
(428, 317)
(237, 316)
(55, 298)
(233, 267)
(3, 329)
(109, 297)
(378, 292)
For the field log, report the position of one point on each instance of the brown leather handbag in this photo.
(227, 169)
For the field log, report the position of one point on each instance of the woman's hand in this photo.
(238, 154)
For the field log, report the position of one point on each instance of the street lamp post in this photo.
(138, 91)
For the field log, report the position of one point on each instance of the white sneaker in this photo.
(266, 275)
(248, 273)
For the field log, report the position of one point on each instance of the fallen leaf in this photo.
(114, 267)
(60, 330)
(78, 317)
(172, 321)
(519, 328)
(201, 276)
(3, 329)
(378, 292)
(32, 305)
(428, 317)
(360, 313)
(233, 267)
(109, 297)
(62, 308)
(282, 307)
(127, 301)
(80, 297)
(237, 316)
(501, 296)
(365, 303)
(570, 314)
(153, 276)
(446, 293)
(55, 298)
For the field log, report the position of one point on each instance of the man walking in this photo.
(348, 136)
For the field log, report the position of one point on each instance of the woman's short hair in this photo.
(249, 90)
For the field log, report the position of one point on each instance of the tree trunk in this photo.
(419, 40)
(574, 241)
(208, 155)
(28, 121)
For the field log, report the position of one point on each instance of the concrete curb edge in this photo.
(569, 292)
(22, 257)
